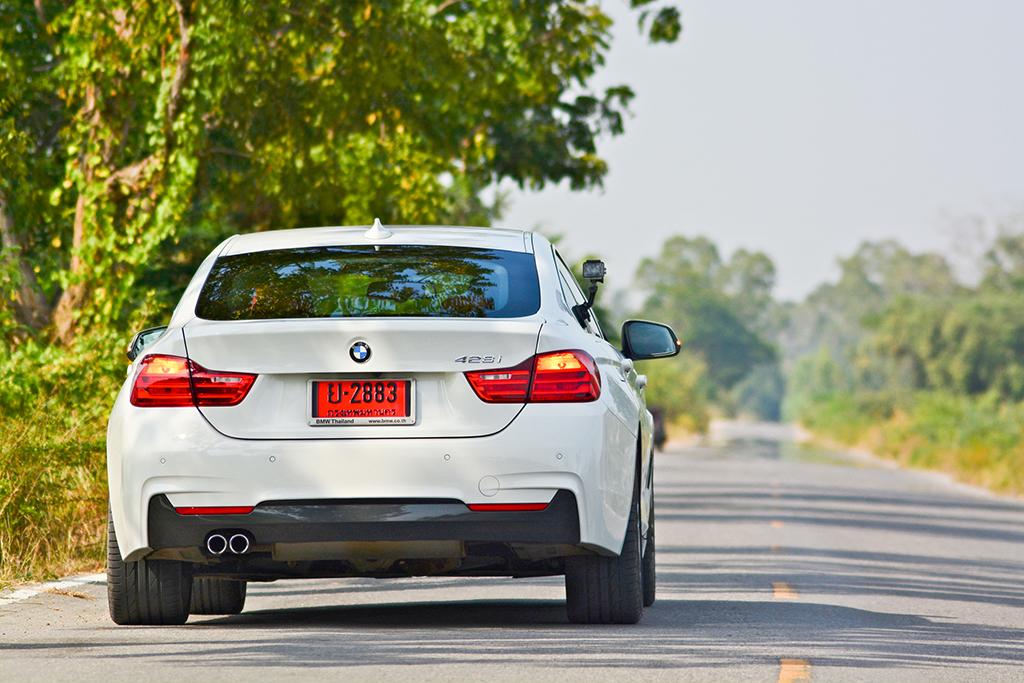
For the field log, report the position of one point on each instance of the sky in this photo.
(802, 128)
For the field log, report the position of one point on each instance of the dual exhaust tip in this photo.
(237, 544)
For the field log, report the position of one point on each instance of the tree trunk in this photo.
(71, 299)
(30, 307)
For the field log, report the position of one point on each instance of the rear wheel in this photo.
(608, 590)
(217, 596)
(146, 592)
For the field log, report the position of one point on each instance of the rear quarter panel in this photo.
(619, 421)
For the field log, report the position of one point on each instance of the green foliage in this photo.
(1004, 264)
(844, 416)
(916, 366)
(135, 130)
(834, 314)
(967, 345)
(679, 387)
(665, 24)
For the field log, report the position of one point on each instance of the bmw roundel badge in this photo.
(360, 352)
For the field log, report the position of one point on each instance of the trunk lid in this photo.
(432, 352)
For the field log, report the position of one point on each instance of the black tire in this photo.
(650, 573)
(217, 596)
(147, 592)
(608, 590)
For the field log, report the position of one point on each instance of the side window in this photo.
(573, 294)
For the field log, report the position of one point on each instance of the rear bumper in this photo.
(175, 454)
(330, 521)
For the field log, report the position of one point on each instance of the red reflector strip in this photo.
(231, 510)
(507, 507)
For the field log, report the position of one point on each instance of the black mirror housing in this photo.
(143, 339)
(647, 340)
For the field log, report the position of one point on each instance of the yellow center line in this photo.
(793, 670)
(783, 591)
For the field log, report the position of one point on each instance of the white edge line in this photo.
(32, 590)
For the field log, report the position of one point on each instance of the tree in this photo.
(143, 124)
(1004, 263)
(835, 315)
(712, 303)
(966, 345)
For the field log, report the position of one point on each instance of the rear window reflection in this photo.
(371, 281)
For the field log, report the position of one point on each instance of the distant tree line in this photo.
(865, 349)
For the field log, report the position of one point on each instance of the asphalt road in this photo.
(776, 563)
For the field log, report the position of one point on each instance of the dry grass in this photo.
(53, 494)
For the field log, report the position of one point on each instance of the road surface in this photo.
(776, 563)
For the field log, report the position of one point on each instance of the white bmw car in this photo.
(383, 402)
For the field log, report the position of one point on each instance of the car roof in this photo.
(487, 238)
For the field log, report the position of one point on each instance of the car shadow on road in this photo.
(674, 633)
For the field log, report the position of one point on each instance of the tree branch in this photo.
(130, 176)
(444, 5)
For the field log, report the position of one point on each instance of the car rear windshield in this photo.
(371, 281)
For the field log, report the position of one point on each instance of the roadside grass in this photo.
(53, 495)
(979, 440)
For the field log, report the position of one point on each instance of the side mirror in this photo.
(143, 339)
(644, 340)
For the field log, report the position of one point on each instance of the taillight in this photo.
(565, 376)
(555, 377)
(215, 388)
(172, 381)
(509, 385)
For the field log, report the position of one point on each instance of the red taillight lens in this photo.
(172, 381)
(556, 377)
(509, 385)
(163, 381)
(214, 388)
(565, 376)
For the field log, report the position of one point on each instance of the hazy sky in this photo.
(802, 127)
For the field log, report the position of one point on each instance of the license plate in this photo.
(338, 403)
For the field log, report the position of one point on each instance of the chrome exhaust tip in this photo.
(216, 544)
(239, 544)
